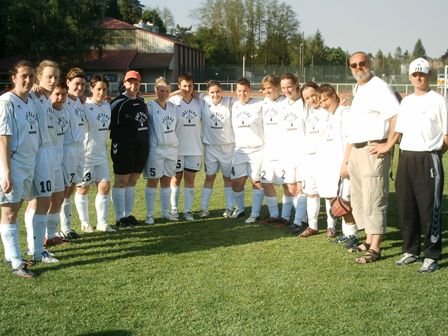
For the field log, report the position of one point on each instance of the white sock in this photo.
(349, 229)
(257, 201)
(118, 196)
(331, 222)
(102, 208)
(205, 197)
(82, 206)
(165, 195)
(271, 202)
(150, 199)
(28, 218)
(129, 198)
(10, 239)
(300, 204)
(239, 200)
(39, 228)
(174, 198)
(312, 208)
(66, 213)
(188, 199)
(287, 204)
(52, 224)
(228, 194)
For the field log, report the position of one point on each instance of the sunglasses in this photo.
(358, 65)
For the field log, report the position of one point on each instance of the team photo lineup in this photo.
(300, 138)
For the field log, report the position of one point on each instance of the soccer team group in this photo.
(53, 144)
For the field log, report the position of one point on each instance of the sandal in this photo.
(369, 257)
(363, 247)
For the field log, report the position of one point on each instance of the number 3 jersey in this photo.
(97, 121)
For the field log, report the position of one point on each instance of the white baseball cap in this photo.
(419, 65)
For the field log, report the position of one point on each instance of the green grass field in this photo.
(221, 277)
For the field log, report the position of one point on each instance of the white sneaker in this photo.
(105, 228)
(149, 220)
(188, 216)
(227, 213)
(429, 265)
(251, 220)
(175, 213)
(170, 217)
(237, 213)
(47, 258)
(204, 213)
(87, 229)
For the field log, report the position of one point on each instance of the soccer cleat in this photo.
(123, 223)
(70, 234)
(23, 272)
(175, 213)
(87, 229)
(429, 265)
(55, 241)
(331, 233)
(294, 229)
(47, 258)
(281, 223)
(170, 217)
(188, 216)
(270, 220)
(237, 214)
(149, 220)
(132, 220)
(251, 220)
(28, 263)
(204, 213)
(308, 233)
(105, 228)
(227, 213)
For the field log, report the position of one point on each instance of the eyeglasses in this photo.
(361, 64)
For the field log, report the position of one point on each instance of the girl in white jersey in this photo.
(96, 165)
(47, 74)
(247, 123)
(189, 156)
(19, 140)
(162, 159)
(331, 160)
(219, 142)
(73, 161)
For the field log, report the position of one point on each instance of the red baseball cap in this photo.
(132, 74)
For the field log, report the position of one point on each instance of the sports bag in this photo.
(339, 206)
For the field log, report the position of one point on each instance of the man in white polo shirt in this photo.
(423, 127)
(371, 120)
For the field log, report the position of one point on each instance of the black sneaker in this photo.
(351, 242)
(132, 220)
(71, 234)
(123, 223)
(294, 229)
(339, 240)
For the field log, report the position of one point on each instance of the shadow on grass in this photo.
(108, 333)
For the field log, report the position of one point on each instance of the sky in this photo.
(353, 25)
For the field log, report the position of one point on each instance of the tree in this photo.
(153, 17)
(130, 10)
(167, 17)
(315, 50)
(336, 56)
(419, 50)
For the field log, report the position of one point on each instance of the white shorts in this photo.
(219, 156)
(309, 182)
(43, 183)
(94, 174)
(247, 164)
(189, 162)
(73, 164)
(278, 173)
(22, 181)
(58, 183)
(160, 162)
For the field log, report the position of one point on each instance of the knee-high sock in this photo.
(129, 199)
(287, 204)
(239, 200)
(188, 199)
(52, 224)
(39, 228)
(175, 194)
(331, 222)
(165, 195)
(257, 201)
(82, 206)
(300, 204)
(312, 208)
(150, 199)
(28, 218)
(10, 239)
(118, 200)
(102, 208)
(66, 214)
(228, 194)
(271, 202)
(205, 197)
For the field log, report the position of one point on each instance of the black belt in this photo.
(365, 143)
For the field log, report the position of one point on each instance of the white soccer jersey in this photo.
(76, 131)
(45, 118)
(217, 121)
(188, 126)
(272, 117)
(61, 124)
(18, 119)
(97, 120)
(315, 122)
(162, 124)
(247, 122)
